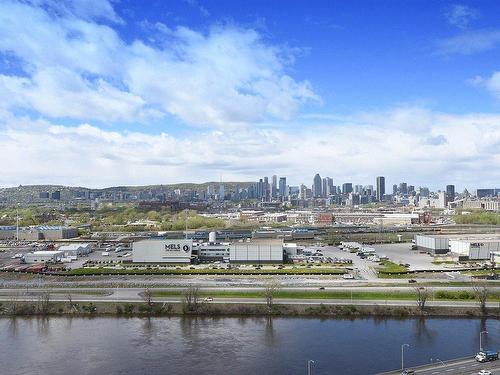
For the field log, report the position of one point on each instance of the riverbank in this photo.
(43, 307)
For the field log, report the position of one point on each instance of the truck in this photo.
(486, 356)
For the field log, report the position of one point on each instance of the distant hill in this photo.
(30, 192)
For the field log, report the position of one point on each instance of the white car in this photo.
(484, 372)
(208, 299)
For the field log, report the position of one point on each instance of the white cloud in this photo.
(460, 15)
(227, 76)
(492, 84)
(469, 42)
(448, 149)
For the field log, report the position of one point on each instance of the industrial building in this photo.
(471, 246)
(257, 251)
(474, 249)
(433, 244)
(162, 251)
(52, 256)
(49, 233)
(76, 249)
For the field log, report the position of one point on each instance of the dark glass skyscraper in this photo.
(317, 186)
(380, 188)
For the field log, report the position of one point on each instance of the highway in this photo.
(455, 367)
(130, 295)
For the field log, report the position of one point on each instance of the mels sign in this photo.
(177, 247)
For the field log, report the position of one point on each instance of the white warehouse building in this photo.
(162, 251)
(474, 249)
(76, 249)
(257, 251)
(43, 256)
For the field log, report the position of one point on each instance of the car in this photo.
(484, 372)
(412, 281)
(321, 288)
(408, 371)
(208, 299)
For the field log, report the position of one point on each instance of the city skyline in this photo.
(111, 93)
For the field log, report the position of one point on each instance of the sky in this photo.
(101, 93)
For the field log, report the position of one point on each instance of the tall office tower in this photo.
(237, 193)
(222, 193)
(424, 191)
(330, 187)
(56, 195)
(403, 188)
(266, 192)
(368, 190)
(274, 188)
(394, 189)
(358, 189)
(411, 189)
(347, 188)
(380, 188)
(260, 189)
(317, 186)
(210, 191)
(282, 187)
(303, 192)
(323, 187)
(450, 193)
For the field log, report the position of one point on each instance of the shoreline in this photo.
(166, 309)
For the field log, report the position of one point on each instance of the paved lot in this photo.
(402, 253)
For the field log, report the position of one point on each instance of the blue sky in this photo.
(99, 93)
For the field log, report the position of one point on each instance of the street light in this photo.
(480, 340)
(309, 366)
(402, 356)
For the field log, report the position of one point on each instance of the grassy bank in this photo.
(343, 295)
(117, 309)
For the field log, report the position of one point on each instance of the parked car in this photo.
(408, 372)
(484, 372)
(412, 281)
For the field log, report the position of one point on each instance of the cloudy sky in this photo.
(100, 93)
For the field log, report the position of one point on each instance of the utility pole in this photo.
(402, 356)
(480, 340)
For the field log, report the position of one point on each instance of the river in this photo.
(228, 345)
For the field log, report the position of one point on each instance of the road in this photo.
(130, 295)
(455, 367)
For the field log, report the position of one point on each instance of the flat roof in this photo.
(46, 252)
(470, 236)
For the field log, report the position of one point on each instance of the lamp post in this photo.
(309, 366)
(480, 340)
(402, 356)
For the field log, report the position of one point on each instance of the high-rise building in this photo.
(394, 189)
(450, 193)
(329, 187)
(266, 192)
(274, 187)
(282, 187)
(210, 190)
(403, 188)
(317, 186)
(347, 188)
(56, 195)
(222, 193)
(380, 188)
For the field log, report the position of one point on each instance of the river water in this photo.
(176, 345)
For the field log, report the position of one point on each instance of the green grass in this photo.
(358, 295)
(208, 271)
(391, 267)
